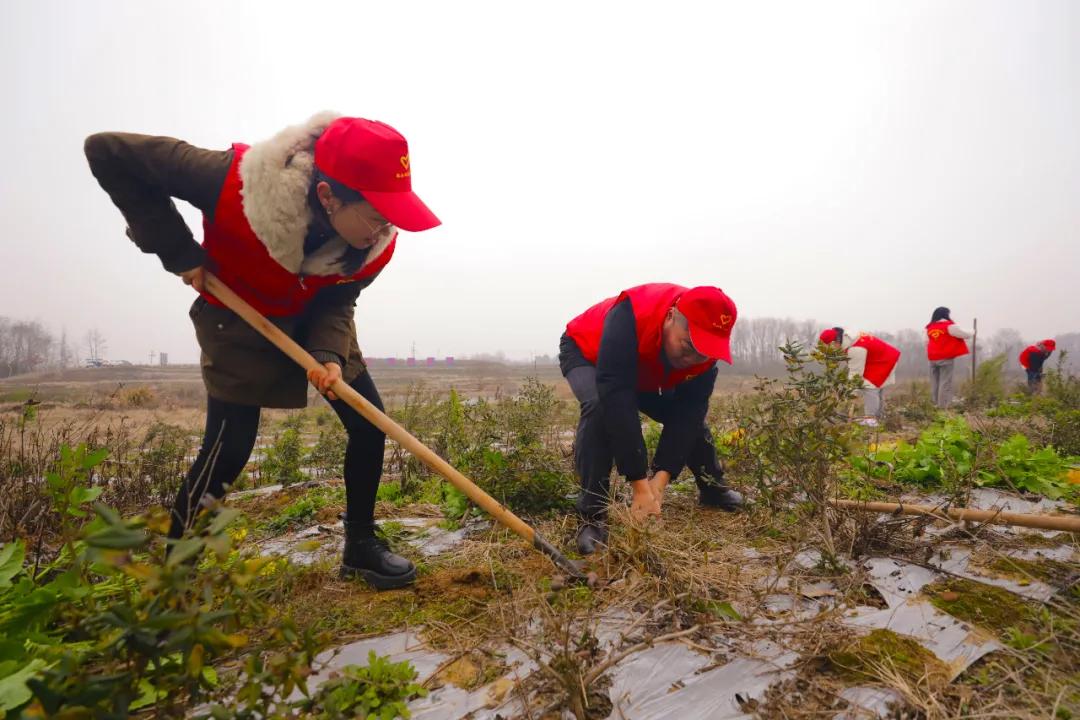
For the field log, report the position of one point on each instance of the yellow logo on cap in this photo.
(725, 320)
(405, 164)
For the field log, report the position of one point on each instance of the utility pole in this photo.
(974, 339)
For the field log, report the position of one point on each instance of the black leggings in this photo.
(230, 436)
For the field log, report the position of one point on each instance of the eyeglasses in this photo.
(376, 230)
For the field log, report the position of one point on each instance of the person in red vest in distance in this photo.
(297, 226)
(1032, 359)
(651, 349)
(872, 358)
(945, 342)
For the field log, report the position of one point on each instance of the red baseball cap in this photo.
(373, 158)
(828, 336)
(711, 316)
(1049, 344)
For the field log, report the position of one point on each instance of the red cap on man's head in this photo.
(373, 158)
(711, 315)
(827, 336)
(1049, 344)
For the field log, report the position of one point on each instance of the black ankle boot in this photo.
(716, 495)
(368, 555)
(591, 534)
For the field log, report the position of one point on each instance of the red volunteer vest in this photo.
(1025, 356)
(237, 256)
(942, 345)
(881, 358)
(650, 304)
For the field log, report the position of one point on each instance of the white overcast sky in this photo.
(858, 163)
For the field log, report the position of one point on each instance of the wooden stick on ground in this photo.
(996, 517)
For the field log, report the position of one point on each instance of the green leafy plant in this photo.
(282, 463)
(1039, 471)
(379, 690)
(950, 455)
(302, 511)
(945, 456)
(112, 623)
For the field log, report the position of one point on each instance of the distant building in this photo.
(163, 358)
(449, 359)
(431, 362)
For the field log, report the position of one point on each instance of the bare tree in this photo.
(95, 345)
(25, 346)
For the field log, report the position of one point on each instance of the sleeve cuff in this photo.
(327, 356)
(190, 256)
(672, 469)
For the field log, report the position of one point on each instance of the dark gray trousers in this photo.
(593, 456)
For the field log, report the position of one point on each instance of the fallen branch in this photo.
(996, 517)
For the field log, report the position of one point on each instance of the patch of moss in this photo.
(1061, 575)
(974, 602)
(882, 652)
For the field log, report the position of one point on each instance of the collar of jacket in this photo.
(276, 176)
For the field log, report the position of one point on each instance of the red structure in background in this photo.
(410, 361)
(431, 362)
(449, 360)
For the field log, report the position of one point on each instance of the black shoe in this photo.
(719, 496)
(589, 535)
(368, 555)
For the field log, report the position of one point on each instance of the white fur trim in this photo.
(276, 176)
(328, 259)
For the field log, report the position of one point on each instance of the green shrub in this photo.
(112, 624)
(508, 446)
(511, 450)
(1065, 432)
(328, 454)
(378, 691)
(797, 431)
(988, 387)
(912, 403)
(1061, 386)
(163, 459)
(282, 463)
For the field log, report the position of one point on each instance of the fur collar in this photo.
(276, 176)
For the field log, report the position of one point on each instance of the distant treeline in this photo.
(28, 346)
